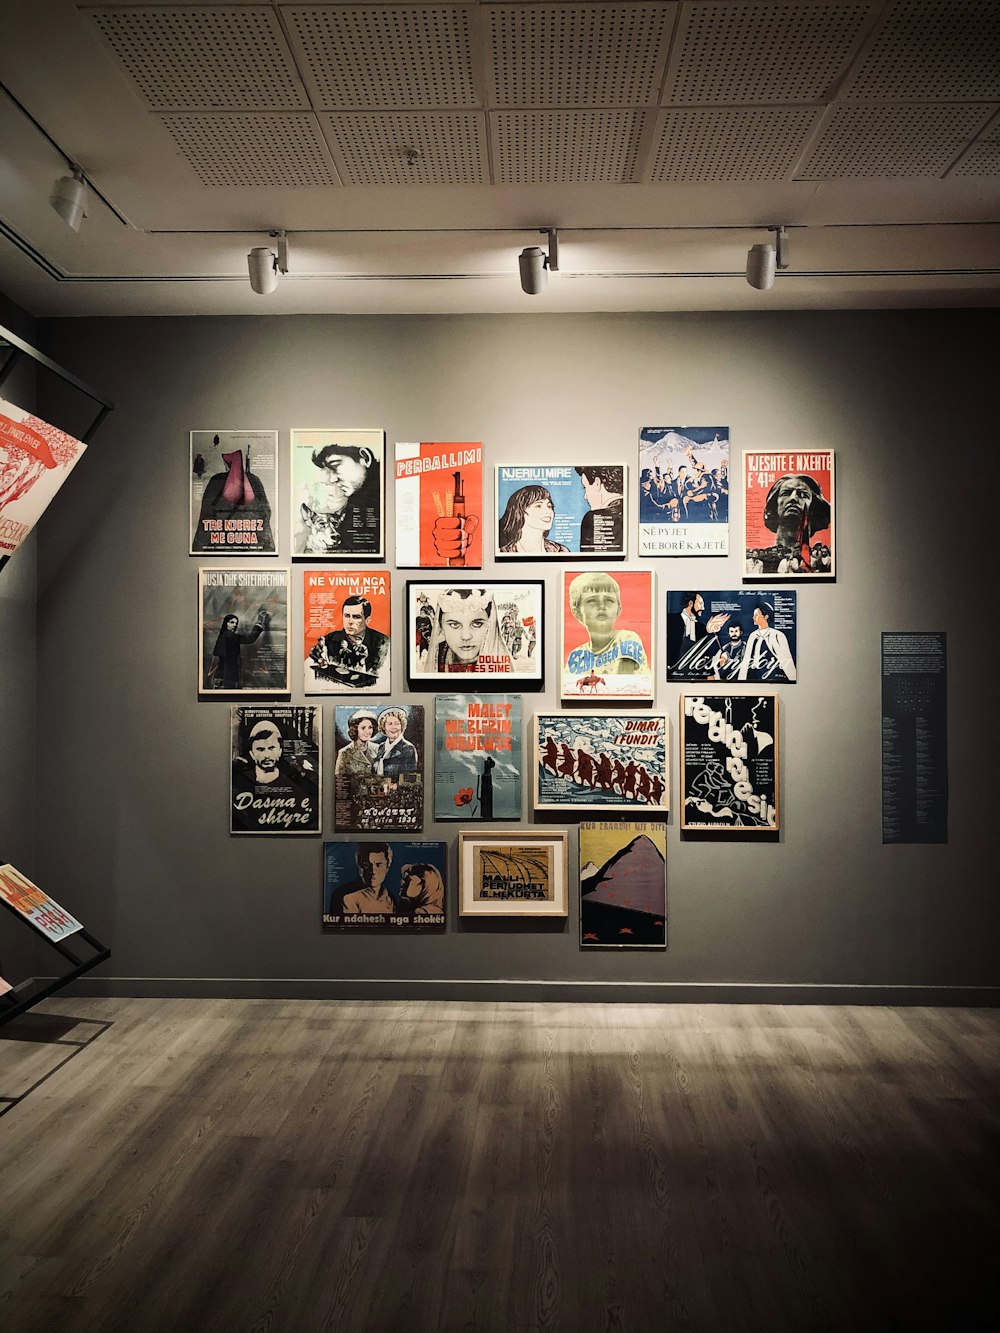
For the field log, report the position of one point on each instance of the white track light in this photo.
(763, 260)
(535, 264)
(265, 265)
(69, 198)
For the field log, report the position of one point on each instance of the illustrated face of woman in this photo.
(464, 632)
(366, 729)
(230, 622)
(539, 515)
(392, 727)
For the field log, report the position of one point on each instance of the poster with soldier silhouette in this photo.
(729, 762)
(385, 884)
(623, 885)
(789, 515)
(338, 494)
(477, 756)
(379, 768)
(599, 761)
(243, 631)
(234, 488)
(684, 490)
(276, 782)
(345, 623)
(439, 506)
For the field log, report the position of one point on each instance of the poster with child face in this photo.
(607, 637)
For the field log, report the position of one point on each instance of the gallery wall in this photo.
(133, 771)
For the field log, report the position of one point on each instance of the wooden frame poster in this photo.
(789, 515)
(234, 491)
(243, 630)
(338, 494)
(520, 873)
(561, 513)
(601, 761)
(729, 762)
(684, 490)
(491, 632)
(277, 769)
(607, 637)
(623, 885)
(439, 506)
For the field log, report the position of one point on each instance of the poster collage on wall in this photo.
(479, 643)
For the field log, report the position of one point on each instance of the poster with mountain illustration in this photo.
(623, 886)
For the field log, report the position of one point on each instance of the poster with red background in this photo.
(607, 636)
(789, 514)
(439, 506)
(344, 651)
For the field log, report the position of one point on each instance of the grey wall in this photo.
(133, 769)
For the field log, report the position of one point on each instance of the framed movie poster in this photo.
(345, 621)
(684, 490)
(35, 905)
(623, 886)
(379, 768)
(492, 632)
(243, 631)
(37, 459)
(521, 873)
(607, 637)
(234, 489)
(729, 762)
(789, 514)
(439, 506)
(277, 768)
(477, 756)
(338, 494)
(385, 885)
(600, 761)
(560, 512)
(740, 634)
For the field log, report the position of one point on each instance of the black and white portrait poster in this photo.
(729, 762)
(338, 494)
(379, 770)
(234, 487)
(276, 784)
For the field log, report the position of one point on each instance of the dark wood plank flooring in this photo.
(422, 1167)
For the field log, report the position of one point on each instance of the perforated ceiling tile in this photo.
(731, 53)
(729, 144)
(579, 55)
(932, 50)
(566, 147)
(227, 57)
(982, 159)
(248, 149)
(894, 140)
(384, 57)
(372, 149)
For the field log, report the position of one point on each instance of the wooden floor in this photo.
(284, 1167)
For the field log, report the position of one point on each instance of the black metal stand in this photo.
(27, 993)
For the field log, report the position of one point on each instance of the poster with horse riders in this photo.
(684, 490)
(607, 637)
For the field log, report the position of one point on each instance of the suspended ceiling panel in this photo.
(262, 149)
(414, 56)
(931, 50)
(738, 53)
(410, 148)
(893, 140)
(224, 57)
(589, 55)
(730, 144)
(568, 147)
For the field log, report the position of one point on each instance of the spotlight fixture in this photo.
(535, 264)
(763, 260)
(265, 265)
(69, 198)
